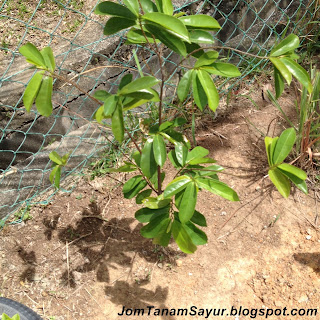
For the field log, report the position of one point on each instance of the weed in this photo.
(79, 196)
(23, 214)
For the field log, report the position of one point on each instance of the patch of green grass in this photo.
(73, 26)
(23, 214)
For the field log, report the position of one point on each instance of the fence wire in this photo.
(94, 61)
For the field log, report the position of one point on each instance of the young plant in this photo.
(169, 211)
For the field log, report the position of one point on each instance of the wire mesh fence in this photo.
(94, 61)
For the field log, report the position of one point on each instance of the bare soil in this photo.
(82, 256)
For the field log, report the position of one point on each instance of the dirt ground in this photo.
(82, 256)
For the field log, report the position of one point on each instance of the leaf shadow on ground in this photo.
(310, 259)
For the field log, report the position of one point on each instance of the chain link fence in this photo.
(94, 61)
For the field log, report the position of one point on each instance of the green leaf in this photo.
(159, 150)
(33, 55)
(182, 238)
(299, 183)
(144, 215)
(197, 236)
(293, 170)
(280, 181)
(176, 186)
(154, 179)
(155, 203)
(209, 88)
(267, 143)
(114, 9)
(134, 191)
(207, 59)
(288, 44)
(184, 85)
(116, 24)
(217, 187)
(6, 317)
(126, 79)
(194, 50)
(148, 164)
(283, 70)
(99, 115)
(201, 161)
(223, 69)
(165, 6)
(155, 226)
(181, 153)
(48, 57)
(32, 90)
(125, 168)
(117, 124)
(43, 99)
(110, 105)
(278, 82)
(169, 23)
(197, 152)
(200, 21)
(136, 157)
(173, 159)
(148, 6)
(200, 36)
(138, 37)
(55, 176)
(178, 122)
(298, 72)
(143, 94)
(65, 159)
(142, 195)
(101, 95)
(54, 157)
(164, 235)
(199, 219)
(210, 171)
(139, 84)
(188, 202)
(171, 41)
(133, 6)
(132, 183)
(284, 145)
(199, 94)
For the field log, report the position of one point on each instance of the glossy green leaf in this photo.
(101, 95)
(114, 9)
(132, 183)
(165, 6)
(99, 115)
(154, 179)
(148, 164)
(175, 136)
(144, 215)
(288, 44)
(164, 235)
(159, 150)
(139, 37)
(169, 23)
(210, 170)
(48, 58)
(293, 170)
(33, 55)
(197, 152)
(281, 182)
(43, 99)
(54, 157)
(173, 159)
(178, 122)
(207, 58)
(171, 41)
(217, 187)
(116, 24)
(201, 161)
(133, 6)
(110, 105)
(197, 236)
(281, 67)
(176, 186)
(136, 156)
(184, 85)
(32, 90)
(55, 176)
(143, 94)
(200, 36)
(284, 145)
(155, 226)
(133, 192)
(194, 49)
(139, 84)
(200, 21)
(267, 143)
(155, 203)
(278, 82)
(126, 79)
(299, 183)
(199, 219)
(181, 153)
(148, 6)
(117, 124)
(209, 88)
(188, 202)
(199, 94)
(298, 72)
(65, 159)
(182, 238)
(223, 69)
(125, 168)
(142, 195)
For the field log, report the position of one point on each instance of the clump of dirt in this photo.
(82, 256)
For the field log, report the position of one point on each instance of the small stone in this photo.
(308, 237)
(258, 188)
(179, 263)
(190, 274)
(160, 265)
(223, 213)
(278, 303)
(303, 298)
